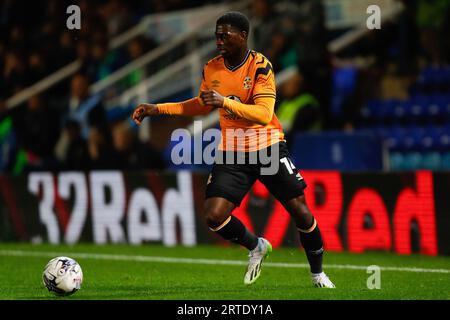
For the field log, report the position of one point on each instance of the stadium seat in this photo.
(432, 80)
(445, 161)
(395, 111)
(444, 105)
(394, 138)
(344, 83)
(373, 113)
(412, 161)
(431, 161)
(404, 139)
(438, 108)
(396, 160)
(415, 108)
(381, 131)
(444, 140)
(430, 138)
(412, 139)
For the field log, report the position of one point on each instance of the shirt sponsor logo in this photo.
(247, 83)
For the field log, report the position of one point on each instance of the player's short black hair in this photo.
(235, 19)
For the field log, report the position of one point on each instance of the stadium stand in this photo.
(393, 83)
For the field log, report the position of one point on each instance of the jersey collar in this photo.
(240, 64)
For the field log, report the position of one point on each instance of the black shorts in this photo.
(233, 181)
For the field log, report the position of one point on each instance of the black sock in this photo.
(312, 243)
(234, 230)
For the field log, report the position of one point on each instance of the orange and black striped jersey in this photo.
(247, 119)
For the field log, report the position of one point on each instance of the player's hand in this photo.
(212, 98)
(143, 110)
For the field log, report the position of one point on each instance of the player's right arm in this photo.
(191, 107)
(144, 110)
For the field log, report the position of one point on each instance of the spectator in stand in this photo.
(298, 110)
(432, 23)
(9, 151)
(14, 73)
(135, 49)
(103, 63)
(282, 51)
(37, 131)
(82, 51)
(67, 48)
(82, 108)
(117, 15)
(73, 152)
(18, 39)
(408, 43)
(37, 67)
(273, 32)
(48, 42)
(3, 92)
(100, 149)
(265, 20)
(131, 154)
(313, 56)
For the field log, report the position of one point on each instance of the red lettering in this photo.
(328, 211)
(260, 191)
(242, 214)
(277, 225)
(419, 206)
(278, 222)
(368, 202)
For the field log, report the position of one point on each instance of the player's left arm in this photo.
(264, 94)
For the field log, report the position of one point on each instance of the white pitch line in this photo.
(104, 256)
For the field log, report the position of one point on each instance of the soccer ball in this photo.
(62, 276)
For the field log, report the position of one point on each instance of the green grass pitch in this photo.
(154, 272)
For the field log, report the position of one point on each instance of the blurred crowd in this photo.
(79, 137)
(73, 130)
(35, 41)
(330, 88)
(53, 130)
(65, 128)
(293, 33)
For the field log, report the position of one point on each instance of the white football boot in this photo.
(320, 280)
(256, 257)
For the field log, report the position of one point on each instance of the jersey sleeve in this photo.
(264, 81)
(191, 107)
(264, 95)
(203, 85)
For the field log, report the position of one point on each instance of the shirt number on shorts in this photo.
(289, 165)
